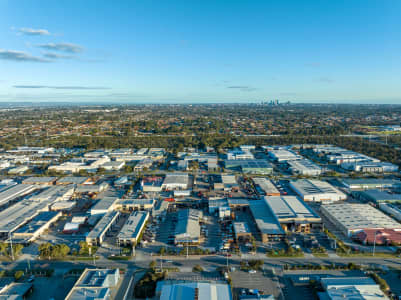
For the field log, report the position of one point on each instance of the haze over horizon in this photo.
(200, 51)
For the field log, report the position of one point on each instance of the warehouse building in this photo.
(184, 290)
(283, 155)
(40, 180)
(176, 181)
(266, 221)
(238, 154)
(351, 218)
(113, 165)
(92, 188)
(250, 166)
(35, 227)
(104, 205)
(392, 210)
(152, 184)
(20, 213)
(378, 196)
(98, 233)
(72, 180)
(14, 192)
(144, 163)
(54, 193)
(242, 232)
(95, 284)
(293, 214)
(369, 183)
(63, 206)
(387, 237)
(316, 191)
(133, 228)
(265, 187)
(337, 288)
(18, 170)
(187, 230)
(135, 204)
(369, 166)
(304, 167)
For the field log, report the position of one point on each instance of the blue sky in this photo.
(200, 51)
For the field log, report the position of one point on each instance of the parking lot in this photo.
(54, 287)
(263, 281)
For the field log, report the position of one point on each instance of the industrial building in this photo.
(14, 192)
(54, 193)
(184, 290)
(283, 155)
(98, 233)
(152, 184)
(369, 183)
(72, 180)
(369, 166)
(19, 213)
(238, 154)
(63, 206)
(143, 164)
(187, 230)
(266, 221)
(339, 288)
(351, 218)
(316, 191)
(378, 196)
(92, 188)
(304, 167)
(250, 166)
(176, 181)
(94, 284)
(385, 237)
(219, 206)
(293, 213)
(35, 227)
(265, 186)
(133, 228)
(135, 204)
(392, 210)
(242, 232)
(104, 205)
(113, 165)
(40, 180)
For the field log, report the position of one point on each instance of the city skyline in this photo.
(200, 52)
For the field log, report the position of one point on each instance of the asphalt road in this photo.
(206, 261)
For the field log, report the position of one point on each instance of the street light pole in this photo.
(374, 244)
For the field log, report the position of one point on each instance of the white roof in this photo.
(355, 216)
(187, 290)
(290, 207)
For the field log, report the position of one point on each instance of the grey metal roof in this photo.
(188, 224)
(265, 219)
(289, 207)
(15, 191)
(195, 290)
(104, 223)
(133, 226)
(72, 179)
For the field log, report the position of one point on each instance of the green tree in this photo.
(152, 264)
(18, 274)
(45, 250)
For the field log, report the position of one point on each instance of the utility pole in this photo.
(374, 244)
